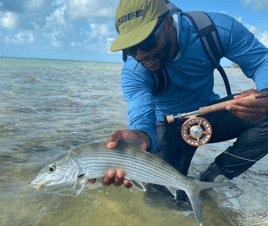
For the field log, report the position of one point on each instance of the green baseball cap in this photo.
(135, 20)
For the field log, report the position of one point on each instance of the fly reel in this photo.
(196, 131)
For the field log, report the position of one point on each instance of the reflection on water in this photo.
(48, 107)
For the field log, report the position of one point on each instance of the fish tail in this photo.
(193, 195)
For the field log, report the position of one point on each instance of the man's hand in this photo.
(138, 139)
(249, 109)
(115, 177)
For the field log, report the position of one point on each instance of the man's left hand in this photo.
(252, 109)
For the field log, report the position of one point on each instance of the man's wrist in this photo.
(146, 138)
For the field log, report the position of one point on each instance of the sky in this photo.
(84, 29)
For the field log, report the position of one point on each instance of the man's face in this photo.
(155, 58)
(167, 46)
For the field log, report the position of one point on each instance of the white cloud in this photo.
(82, 26)
(56, 18)
(8, 20)
(20, 39)
(252, 29)
(101, 30)
(264, 38)
(56, 25)
(108, 45)
(100, 38)
(239, 19)
(89, 9)
(257, 4)
(53, 37)
(55, 42)
(34, 4)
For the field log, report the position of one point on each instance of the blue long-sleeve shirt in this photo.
(190, 75)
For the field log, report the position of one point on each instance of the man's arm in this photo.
(138, 94)
(252, 56)
(249, 53)
(137, 87)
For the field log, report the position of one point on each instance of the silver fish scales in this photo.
(93, 160)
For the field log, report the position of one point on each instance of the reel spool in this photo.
(196, 131)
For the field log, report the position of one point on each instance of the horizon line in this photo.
(38, 58)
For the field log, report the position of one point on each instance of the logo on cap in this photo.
(130, 16)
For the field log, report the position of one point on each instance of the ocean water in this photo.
(48, 107)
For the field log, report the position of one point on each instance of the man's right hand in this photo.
(138, 139)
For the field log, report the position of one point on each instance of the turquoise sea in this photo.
(48, 107)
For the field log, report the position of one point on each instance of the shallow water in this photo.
(48, 107)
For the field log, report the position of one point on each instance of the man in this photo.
(152, 37)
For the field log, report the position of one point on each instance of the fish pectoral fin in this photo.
(79, 184)
(173, 191)
(138, 185)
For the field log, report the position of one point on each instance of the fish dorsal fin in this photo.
(138, 185)
(80, 183)
(173, 191)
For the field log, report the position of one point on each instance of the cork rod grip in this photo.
(221, 106)
(169, 119)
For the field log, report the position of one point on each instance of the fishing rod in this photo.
(197, 131)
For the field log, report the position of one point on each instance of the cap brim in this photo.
(133, 37)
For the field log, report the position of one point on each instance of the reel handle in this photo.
(221, 106)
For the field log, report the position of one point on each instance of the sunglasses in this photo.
(148, 44)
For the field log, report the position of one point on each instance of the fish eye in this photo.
(51, 169)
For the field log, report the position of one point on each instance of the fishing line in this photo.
(239, 190)
(244, 158)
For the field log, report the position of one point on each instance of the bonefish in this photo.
(93, 160)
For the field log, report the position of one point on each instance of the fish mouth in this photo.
(36, 186)
(40, 186)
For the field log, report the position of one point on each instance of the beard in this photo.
(165, 51)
